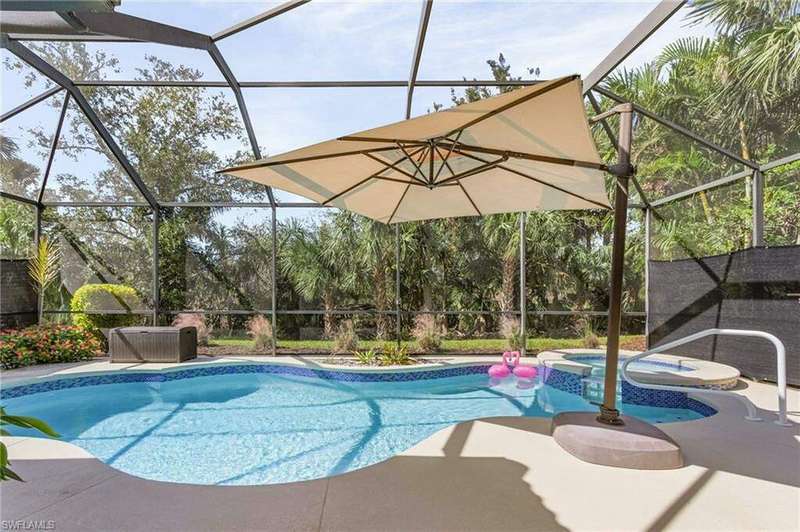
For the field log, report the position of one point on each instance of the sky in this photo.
(335, 40)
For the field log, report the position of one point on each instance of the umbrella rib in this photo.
(398, 169)
(348, 189)
(264, 164)
(382, 140)
(464, 190)
(411, 159)
(395, 180)
(398, 203)
(521, 174)
(446, 157)
(543, 89)
(444, 163)
(488, 165)
(532, 157)
(372, 176)
(545, 183)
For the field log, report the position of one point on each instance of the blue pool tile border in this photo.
(561, 380)
(630, 394)
(225, 369)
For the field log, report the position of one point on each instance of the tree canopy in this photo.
(739, 89)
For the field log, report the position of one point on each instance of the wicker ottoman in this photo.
(152, 344)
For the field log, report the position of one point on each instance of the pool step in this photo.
(592, 389)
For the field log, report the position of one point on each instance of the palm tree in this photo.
(375, 249)
(315, 273)
(501, 232)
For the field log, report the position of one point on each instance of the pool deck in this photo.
(490, 474)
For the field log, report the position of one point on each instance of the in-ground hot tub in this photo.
(654, 369)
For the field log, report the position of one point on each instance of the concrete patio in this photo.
(490, 474)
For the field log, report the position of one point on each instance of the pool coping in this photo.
(705, 374)
(99, 367)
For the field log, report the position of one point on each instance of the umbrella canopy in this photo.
(530, 149)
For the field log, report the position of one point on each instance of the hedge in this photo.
(99, 297)
(47, 344)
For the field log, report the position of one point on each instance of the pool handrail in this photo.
(752, 414)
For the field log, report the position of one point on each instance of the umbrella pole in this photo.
(623, 171)
(523, 307)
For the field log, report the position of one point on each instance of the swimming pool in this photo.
(265, 424)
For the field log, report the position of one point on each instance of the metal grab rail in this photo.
(752, 414)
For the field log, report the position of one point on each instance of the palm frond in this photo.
(43, 267)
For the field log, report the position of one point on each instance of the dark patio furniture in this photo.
(152, 344)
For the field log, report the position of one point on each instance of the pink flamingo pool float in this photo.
(511, 364)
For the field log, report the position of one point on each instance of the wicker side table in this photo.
(152, 344)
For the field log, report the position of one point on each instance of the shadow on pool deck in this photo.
(406, 493)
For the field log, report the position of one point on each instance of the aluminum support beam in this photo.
(319, 84)
(139, 29)
(603, 122)
(53, 147)
(758, 209)
(156, 266)
(780, 162)
(213, 204)
(274, 287)
(649, 24)
(219, 60)
(95, 204)
(302, 205)
(422, 30)
(51, 72)
(354, 312)
(680, 129)
(398, 325)
(700, 188)
(30, 103)
(57, 37)
(15, 197)
(258, 19)
(648, 228)
(33, 6)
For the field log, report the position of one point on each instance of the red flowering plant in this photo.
(47, 344)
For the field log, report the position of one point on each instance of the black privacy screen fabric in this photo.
(749, 289)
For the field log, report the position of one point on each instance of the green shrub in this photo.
(98, 297)
(394, 355)
(367, 358)
(47, 344)
(346, 339)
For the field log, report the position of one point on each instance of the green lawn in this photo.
(482, 344)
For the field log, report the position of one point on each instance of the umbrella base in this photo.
(634, 445)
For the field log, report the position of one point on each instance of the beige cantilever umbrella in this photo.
(530, 149)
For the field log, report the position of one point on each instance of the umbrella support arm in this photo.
(609, 414)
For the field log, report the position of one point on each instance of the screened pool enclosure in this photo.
(114, 126)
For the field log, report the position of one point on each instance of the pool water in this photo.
(598, 363)
(270, 428)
